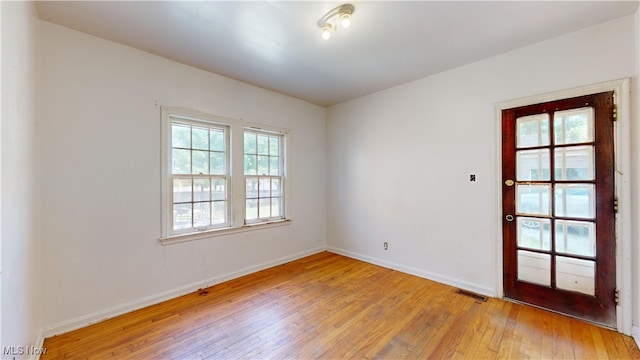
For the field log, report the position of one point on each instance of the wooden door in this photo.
(558, 206)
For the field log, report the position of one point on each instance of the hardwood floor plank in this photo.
(329, 306)
(507, 343)
(599, 347)
(498, 321)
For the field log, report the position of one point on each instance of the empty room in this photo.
(320, 180)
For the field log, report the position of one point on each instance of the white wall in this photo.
(100, 165)
(398, 161)
(21, 247)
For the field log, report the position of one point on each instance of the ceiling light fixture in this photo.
(329, 22)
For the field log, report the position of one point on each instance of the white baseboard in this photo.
(635, 332)
(417, 272)
(86, 320)
(38, 344)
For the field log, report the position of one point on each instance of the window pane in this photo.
(575, 200)
(263, 165)
(201, 214)
(219, 191)
(180, 135)
(216, 140)
(533, 165)
(276, 206)
(263, 145)
(250, 165)
(181, 161)
(574, 163)
(532, 130)
(250, 143)
(534, 233)
(534, 267)
(265, 187)
(275, 187)
(181, 190)
(265, 208)
(217, 163)
(219, 212)
(181, 216)
(274, 146)
(576, 237)
(200, 162)
(200, 138)
(573, 126)
(274, 166)
(533, 199)
(201, 190)
(252, 188)
(252, 209)
(575, 275)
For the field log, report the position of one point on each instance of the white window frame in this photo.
(236, 187)
(282, 161)
(204, 123)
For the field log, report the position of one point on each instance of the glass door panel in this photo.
(533, 165)
(575, 275)
(534, 233)
(575, 237)
(575, 200)
(534, 267)
(574, 163)
(573, 126)
(532, 131)
(533, 199)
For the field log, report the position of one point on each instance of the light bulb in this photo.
(326, 32)
(346, 20)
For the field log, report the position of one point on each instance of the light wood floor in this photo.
(332, 307)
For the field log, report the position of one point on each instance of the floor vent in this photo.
(472, 295)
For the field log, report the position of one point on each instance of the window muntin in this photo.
(199, 177)
(264, 176)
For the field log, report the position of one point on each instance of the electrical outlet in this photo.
(386, 245)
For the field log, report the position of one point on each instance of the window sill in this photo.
(174, 239)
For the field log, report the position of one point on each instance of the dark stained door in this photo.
(558, 206)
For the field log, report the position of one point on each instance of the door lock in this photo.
(509, 218)
(509, 182)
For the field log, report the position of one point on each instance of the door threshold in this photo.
(559, 313)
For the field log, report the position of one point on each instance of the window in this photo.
(264, 176)
(204, 158)
(198, 177)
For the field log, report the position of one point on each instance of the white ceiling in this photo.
(277, 45)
